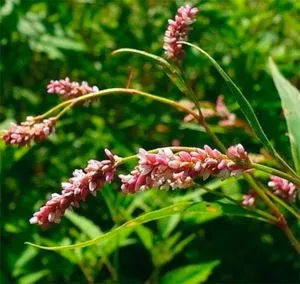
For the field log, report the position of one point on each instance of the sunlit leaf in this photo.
(33, 277)
(190, 274)
(290, 100)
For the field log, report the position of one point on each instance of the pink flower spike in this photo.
(28, 131)
(166, 169)
(283, 188)
(178, 31)
(77, 189)
(70, 90)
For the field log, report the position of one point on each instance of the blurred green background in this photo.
(52, 39)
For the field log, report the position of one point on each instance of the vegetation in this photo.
(196, 235)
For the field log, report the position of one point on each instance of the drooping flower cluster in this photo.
(70, 90)
(220, 110)
(178, 30)
(249, 199)
(28, 131)
(283, 188)
(166, 169)
(84, 182)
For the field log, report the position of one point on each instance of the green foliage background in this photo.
(50, 39)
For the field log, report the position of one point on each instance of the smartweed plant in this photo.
(177, 167)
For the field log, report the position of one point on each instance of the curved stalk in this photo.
(276, 172)
(281, 221)
(268, 216)
(283, 204)
(245, 107)
(174, 74)
(101, 93)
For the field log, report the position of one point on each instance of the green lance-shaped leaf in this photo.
(208, 208)
(245, 107)
(290, 100)
(194, 273)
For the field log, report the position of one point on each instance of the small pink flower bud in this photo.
(238, 154)
(283, 188)
(249, 199)
(178, 31)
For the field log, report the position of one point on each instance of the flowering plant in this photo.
(175, 167)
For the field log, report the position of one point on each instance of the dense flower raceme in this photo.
(70, 90)
(166, 169)
(83, 183)
(178, 30)
(28, 131)
(283, 188)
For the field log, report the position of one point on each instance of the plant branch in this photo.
(276, 172)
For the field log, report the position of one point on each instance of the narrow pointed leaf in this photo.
(205, 208)
(290, 100)
(245, 107)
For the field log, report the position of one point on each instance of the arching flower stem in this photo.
(118, 91)
(276, 172)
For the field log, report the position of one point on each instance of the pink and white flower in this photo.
(166, 169)
(77, 189)
(178, 31)
(283, 188)
(69, 89)
(249, 199)
(28, 131)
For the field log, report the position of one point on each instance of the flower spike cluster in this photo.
(83, 183)
(283, 188)
(70, 90)
(28, 131)
(166, 169)
(178, 30)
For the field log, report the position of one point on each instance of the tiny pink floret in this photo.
(249, 199)
(283, 188)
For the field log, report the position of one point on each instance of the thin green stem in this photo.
(245, 107)
(175, 75)
(265, 198)
(295, 243)
(119, 91)
(268, 216)
(283, 204)
(64, 110)
(276, 172)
